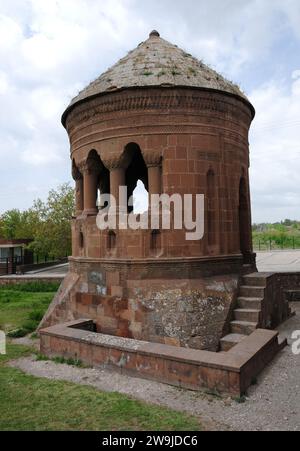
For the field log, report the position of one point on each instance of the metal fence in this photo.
(4, 265)
(8, 266)
(269, 244)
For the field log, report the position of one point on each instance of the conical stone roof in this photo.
(157, 63)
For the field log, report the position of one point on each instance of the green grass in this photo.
(33, 287)
(22, 307)
(30, 403)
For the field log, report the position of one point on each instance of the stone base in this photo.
(231, 372)
(179, 302)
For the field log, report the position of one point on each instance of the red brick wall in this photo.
(183, 292)
(194, 132)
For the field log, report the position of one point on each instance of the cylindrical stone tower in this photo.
(162, 117)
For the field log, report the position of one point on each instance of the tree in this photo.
(53, 236)
(11, 222)
(46, 223)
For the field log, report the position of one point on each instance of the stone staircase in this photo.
(247, 315)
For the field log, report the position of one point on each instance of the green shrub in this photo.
(17, 333)
(70, 361)
(26, 328)
(60, 360)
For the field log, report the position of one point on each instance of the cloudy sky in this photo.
(50, 49)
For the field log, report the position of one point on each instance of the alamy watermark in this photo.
(2, 343)
(296, 342)
(165, 212)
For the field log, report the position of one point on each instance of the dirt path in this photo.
(272, 405)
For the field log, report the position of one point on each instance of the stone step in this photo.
(250, 315)
(251, 291)
(230, 340)
(247, 269)
(243, 327)
(254, 280)
(252, 303)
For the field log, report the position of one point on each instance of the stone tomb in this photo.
(161, 117)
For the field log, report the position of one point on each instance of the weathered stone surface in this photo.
(157, 62)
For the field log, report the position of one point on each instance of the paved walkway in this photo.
(275, 261)
(58, 270)
(53, 272)
(278, 261)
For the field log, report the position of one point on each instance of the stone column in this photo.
(90, 178)
(117, 179)
(153, 162)
(79, 196)
(117, 165)
(78, 190)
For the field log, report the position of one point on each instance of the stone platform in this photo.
(229, 372)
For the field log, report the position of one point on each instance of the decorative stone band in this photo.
(114, 161)
(158, 268)
(184, 99)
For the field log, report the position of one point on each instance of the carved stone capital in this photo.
(152, 158)
(90, 166)
(76, 174)
(115, 161)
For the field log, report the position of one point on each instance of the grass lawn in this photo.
(23, 306)
(31, 403)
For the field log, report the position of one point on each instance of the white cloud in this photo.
(275, 150)
(3, 83)
(50, 49)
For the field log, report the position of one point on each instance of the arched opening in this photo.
(136, 170)
(244, 219)
(211, 208)
(140, 198)
(102, 180)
